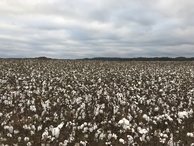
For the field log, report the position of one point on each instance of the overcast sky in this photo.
(72, 29)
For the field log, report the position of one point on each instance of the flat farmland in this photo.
(99, 103)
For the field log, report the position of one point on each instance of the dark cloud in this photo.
(84, 28)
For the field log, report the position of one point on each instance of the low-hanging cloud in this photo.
(84, 28)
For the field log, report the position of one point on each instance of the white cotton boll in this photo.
(108, 143)
(156, 109)
(169, 118)
(183, 114)
(19, 139)
(142, 130)
(82, 126)
(26, 138)
(124, 123)
(147, 118)
(91, 129)
(84, 143)
(121, 140)
(33, 108)
(190, 134)
(65, 142)
(101, 136)
(179, 121)
(109, 136)
(85, 129)
(9, 135)
(6, 127)
(162, 140)
(154, 122)
(1, 114)
(33, 127)
(56, 131)
(101, 111)
(22, 110)
(190, 112)
(45, 134)
(130, 139)
(36, 116)
(39, 128)
(9, 128)
(61, 125)
(25, 127)
(167, 130)
(16, 131)
(163, 135)
(29, 144)
(114, 136)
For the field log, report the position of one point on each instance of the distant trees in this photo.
(142, 59)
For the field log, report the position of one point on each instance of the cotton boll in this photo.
(190, 134)
(33, 108)
(114, 136)
(146, 117)
(122, 141)
(39, 128)
(26, 138)
(130, 139)
(60, 125)
(109, 136)
(9, 135)
(102, 136)
(124, 123)
(45, 135)
(183, 114)
(142, 130)
(101, 111)
(156, 109)
(65, 142)
(56, 131)
(16, 131)
(29, 144)
(85, 129)
(19, 139)
(84, 143)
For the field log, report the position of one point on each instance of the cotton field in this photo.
(96, 103)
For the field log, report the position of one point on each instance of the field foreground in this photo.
(67, 103)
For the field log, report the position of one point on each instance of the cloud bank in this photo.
(86, 28)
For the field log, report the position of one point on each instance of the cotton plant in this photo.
(101, 102)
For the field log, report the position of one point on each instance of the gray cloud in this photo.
(84, 28)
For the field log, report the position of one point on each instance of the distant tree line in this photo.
(141, 59)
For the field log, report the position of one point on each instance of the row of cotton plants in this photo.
(84, 103)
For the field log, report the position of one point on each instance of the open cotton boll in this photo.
(124, 123)
(142, 130)
(121, 140)
(56, 131)
(190, 134)
(45, 134)
(147, 118)
(183, 114)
